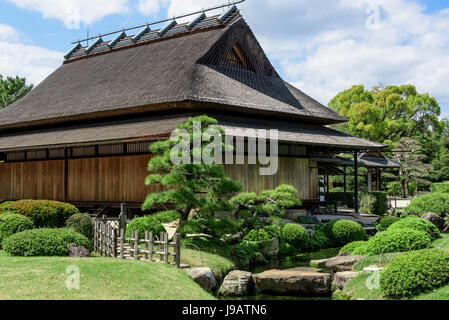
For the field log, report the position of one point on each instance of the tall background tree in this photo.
(413, 169)
(12, 89)
(387, 114)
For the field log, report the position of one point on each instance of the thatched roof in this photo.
(165, 72)
(147, 128)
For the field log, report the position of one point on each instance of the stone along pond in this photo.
(296, 262)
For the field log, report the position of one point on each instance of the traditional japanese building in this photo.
(82, 135)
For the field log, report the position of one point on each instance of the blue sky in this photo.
(322, 47)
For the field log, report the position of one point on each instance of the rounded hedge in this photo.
(413, 222)
(350, 247)
(398, 240)
(82, 224)
(295, 235)
(44, 213)
(385, 222)
(152, 223)
(13, 223)
(342, 232)
(432, 202)
(415, 272)
(44, 242)
(257, 235)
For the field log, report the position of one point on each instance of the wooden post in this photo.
(356, 184)
(114, 243)
(123, 216)
(166, 248)
(151, 249)
(177, 240)
(136, 245)
(122, 243)
(95, 236)
(161, 247)
(147, 244)
(66, 174)
(345, 186)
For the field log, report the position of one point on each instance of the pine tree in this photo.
(190, 185)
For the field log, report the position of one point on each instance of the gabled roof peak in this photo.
(121, 40)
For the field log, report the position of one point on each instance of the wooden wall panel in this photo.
(111, 179)
(32, 180)
(292, 171)
(121, 179)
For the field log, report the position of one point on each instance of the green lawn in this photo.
(218, 264)
(44, 278)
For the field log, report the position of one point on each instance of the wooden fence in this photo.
(110, 241)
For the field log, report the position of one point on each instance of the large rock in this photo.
(439, 222)
(237, 283)
(342, 263)
(77, 252)
(318, 263)
(293, 282)
(204, 277)
(341, 279)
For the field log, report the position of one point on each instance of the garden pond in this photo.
(298, 260)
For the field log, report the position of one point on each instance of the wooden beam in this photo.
(356, 183)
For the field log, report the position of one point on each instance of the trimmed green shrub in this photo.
(380, 207)
(222, 227)
(415, 272)
(350, 247)
(257, 235)
(413, 222)
(152, 223)
(44, 213)
(4, 206)
(244, 200)
(385, 222)
(217, 228)
(342, 232)
(244, 252)
(433, 202)
(441, 187)
(394, 189)
(13, 223)
(319, 240)
(295, 235)
(81, 223)
(44, 242)
(398, 240)
(277, 201)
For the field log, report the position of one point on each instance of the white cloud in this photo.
(8, 33)
(74, 12)
(324, 49)
(25, 60)
(150, 7)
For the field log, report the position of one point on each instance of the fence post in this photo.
(123, 216)
(166, 248)
(147, 245)
(114, 243)
(177, 250)
(122, 243)
(100, 234)
(151, 249)
(136, 245)
(161, 247)
(95, 235)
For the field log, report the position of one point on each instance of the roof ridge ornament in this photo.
(165, 20)
(167, 28)
(94, 44)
